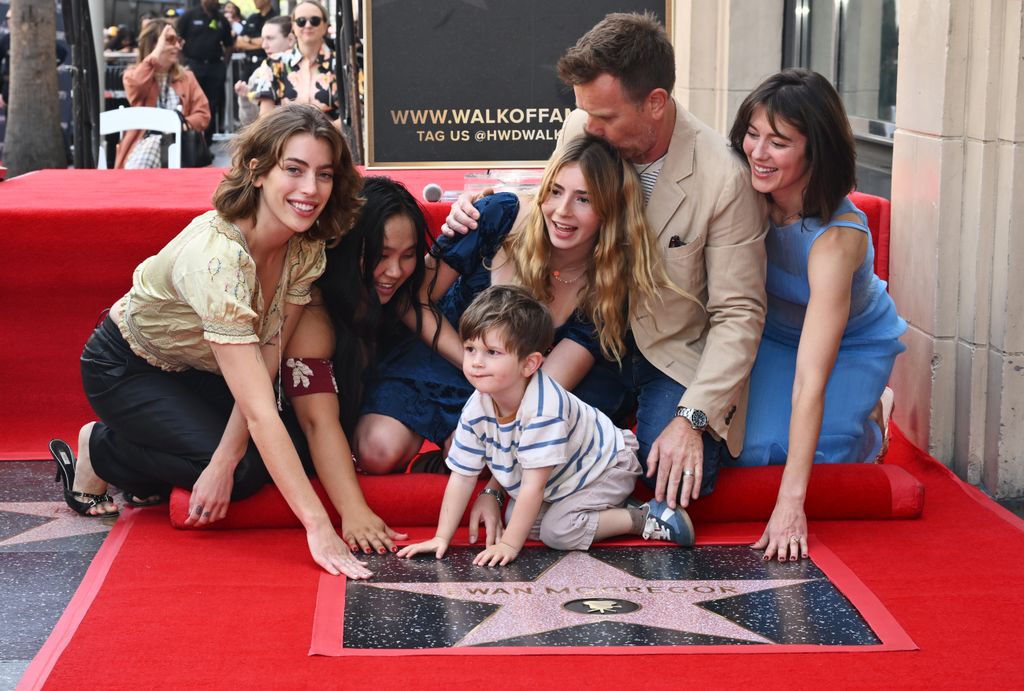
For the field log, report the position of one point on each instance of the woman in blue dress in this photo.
(832, 333)
(582, 247)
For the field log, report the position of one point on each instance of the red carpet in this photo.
(219, 609)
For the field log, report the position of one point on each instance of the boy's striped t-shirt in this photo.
(552, 428)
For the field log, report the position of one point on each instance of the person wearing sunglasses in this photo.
(306, 74)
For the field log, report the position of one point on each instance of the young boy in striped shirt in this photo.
(566, 467)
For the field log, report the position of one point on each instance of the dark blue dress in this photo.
(425, 392)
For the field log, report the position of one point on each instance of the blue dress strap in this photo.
(846, 208)
(835, 223)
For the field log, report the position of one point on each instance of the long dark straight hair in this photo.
(808, 102)
(361, 323)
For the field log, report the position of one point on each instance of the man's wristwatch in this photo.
(498, 497)
(697, 419)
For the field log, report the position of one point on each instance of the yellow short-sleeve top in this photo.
(201, 288)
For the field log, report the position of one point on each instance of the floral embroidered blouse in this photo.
(279, 79)
(201, 288)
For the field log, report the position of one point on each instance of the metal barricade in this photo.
(230, 122)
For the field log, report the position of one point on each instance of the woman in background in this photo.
(234, 17)
(275, 38)
(306, 73)
(159, 80)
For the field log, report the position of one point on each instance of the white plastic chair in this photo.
(142, 118)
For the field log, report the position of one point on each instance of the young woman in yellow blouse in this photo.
(183, 372)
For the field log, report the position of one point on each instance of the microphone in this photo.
(432, 192)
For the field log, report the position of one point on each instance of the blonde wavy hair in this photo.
(625, 266)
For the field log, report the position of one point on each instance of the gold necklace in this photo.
(557, 275)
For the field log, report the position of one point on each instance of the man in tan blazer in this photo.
(691, 362)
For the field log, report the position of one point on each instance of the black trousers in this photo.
(211, 77)
(159, 429)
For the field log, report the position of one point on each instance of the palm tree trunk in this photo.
(33, 139)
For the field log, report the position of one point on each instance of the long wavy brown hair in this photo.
(260, 147)
(625, 265)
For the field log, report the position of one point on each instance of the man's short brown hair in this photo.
(524, 322)
(631, 47)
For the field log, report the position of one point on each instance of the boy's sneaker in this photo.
(671, 525)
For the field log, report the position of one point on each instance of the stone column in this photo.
(724, 48)
(958, 236)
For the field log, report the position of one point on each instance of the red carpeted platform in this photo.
(72, 239)
(214, 609)
(836, 492)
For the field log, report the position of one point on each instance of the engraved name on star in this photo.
(534, 607)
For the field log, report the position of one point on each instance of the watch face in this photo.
(699, 419)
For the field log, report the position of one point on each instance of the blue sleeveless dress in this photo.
(867, 352)
(425, 392)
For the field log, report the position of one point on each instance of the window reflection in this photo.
(867, 58)
(853, 43)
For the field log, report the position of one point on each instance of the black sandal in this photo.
(65, 460)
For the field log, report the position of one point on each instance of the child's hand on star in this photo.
(434, 544)
(499, 554)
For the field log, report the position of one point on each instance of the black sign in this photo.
(472, 83)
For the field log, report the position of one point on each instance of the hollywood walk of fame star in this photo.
(62, 522)
(536, 606)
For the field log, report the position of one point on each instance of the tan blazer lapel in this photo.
(668, 193)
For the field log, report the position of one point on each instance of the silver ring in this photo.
(198, 509)
(687, 473)
(795, 538)
(206, 513)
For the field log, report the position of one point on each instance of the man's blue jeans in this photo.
(658, 397)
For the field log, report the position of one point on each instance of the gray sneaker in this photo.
(668, 524)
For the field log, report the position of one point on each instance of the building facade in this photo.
(947, 140)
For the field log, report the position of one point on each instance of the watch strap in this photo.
(498, 496)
